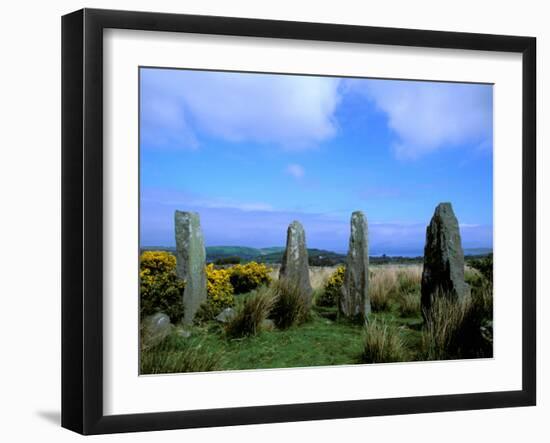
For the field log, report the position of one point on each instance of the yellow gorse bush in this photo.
(159, 288)
(219, 288)
(332, 288)
(247, 277)
(162, 291)
(157, 262)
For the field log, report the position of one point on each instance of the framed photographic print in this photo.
(269, 221)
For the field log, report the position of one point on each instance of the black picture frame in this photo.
(82, 218)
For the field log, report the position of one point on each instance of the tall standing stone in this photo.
(190, 262)
(354, 302)
(295, 266)
(443, 273)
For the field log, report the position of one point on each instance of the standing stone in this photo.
(190, 262)
(443, 273)
(354, 302)
(295, 267)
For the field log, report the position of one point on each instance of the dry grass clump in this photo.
(282, 302)
(400, 284)
(319, 275)
(274, 273)
(471, 274)
(457, 329)
(444, 319)
(251, 313)
(175, 355)
(289, 307)
(482, 300)
(409, 278)
(382, 284)
(409, 304)
(382, 344)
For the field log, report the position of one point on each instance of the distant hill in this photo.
(273, 254)
(478, 251)
(317, 257)
(243, 252)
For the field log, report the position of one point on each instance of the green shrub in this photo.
(250, 276)
(290, 307)
(472, 276)
(476, 332)
(232, 260)
(333, 287)
(322, 260)
(160, 290)
(251, 313)
(205, 313)
(382, 344)
(484, 265)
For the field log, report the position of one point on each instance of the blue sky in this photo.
(252, 152)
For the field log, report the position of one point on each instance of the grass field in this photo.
(320, 341)
(396, 330)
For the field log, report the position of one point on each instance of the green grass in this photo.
(318, 342)
(323, 339)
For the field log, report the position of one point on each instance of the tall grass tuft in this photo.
(409, 278)
(395, 284)
(382, 284)
(444, 320)
(459, 329)
(409, 304)
(382, 344)
(477, 329)
(173, 355)
(290, 307)
(251, 313)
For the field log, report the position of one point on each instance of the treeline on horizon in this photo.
(229, 255)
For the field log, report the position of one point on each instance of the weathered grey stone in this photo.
(443, 273)
(294, 266)
(190, 262)
(267, 325)
(354, 302)
(154, 329)
(184, 333)
(226, 315)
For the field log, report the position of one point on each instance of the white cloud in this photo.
(163, 124)
(228, 204)
(299, 112)
(290, 111)
(427, 116)
(183, 200)
(295, 170)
